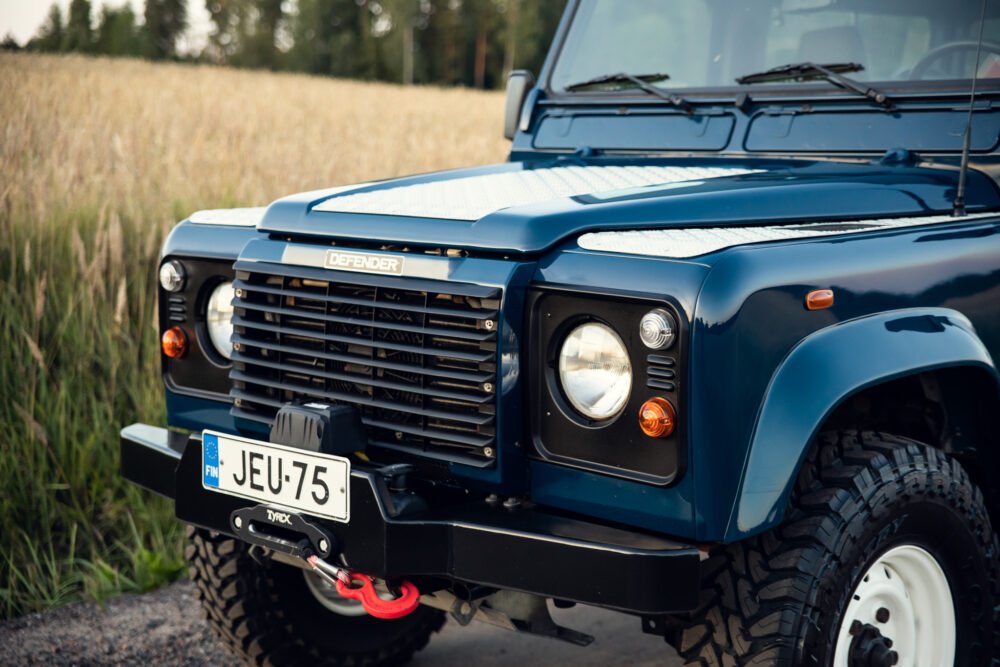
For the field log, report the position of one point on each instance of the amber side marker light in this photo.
(819, 299)
(174, 342)
(657, 418)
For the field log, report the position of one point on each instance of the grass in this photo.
(98, 159)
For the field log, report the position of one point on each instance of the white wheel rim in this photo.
(326, 594)
(908, 582)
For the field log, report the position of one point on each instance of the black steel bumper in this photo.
(527, 550)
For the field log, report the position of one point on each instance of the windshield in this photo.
(711, 43)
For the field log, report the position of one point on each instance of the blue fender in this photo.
(821, 372)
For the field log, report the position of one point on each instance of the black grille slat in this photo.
(436, 430)
(467, 439)
(256, 398)
(431, 435)
(381, 384)
(383, 305)
(441, 372)
(448, 457)
(239, 321)
(368, 280)
(384, 324)
(417, 357)
(343, 397)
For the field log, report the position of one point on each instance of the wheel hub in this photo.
(900, 613)
(328, 596)
(869, 648)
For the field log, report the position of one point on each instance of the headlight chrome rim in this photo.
(219, 319)
(598, 357)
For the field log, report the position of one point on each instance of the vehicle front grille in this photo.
(417, 357)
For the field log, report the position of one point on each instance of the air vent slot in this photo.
(176, 308)
(661, 373)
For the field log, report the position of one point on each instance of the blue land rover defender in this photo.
(714, 348)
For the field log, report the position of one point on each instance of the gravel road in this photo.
(165, 628)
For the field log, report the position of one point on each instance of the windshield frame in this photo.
(800, 91)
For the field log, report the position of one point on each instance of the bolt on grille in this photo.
(417, 357)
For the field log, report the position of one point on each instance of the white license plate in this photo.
(317, 484)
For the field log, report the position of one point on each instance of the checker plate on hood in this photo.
(474, 197)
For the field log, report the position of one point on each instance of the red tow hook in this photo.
(360, 587)
(406, 603)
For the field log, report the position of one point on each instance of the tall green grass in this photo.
(98, 158)
(79, 359)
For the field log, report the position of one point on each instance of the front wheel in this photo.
(899, 599)
(274, 614)
(886, 557)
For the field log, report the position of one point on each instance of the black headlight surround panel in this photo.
(617, 446)
(202, 371)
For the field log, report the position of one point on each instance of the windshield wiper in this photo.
(831, 72)
(641, 81)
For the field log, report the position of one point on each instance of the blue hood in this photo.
(528, 207)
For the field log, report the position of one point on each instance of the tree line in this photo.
(448, 42)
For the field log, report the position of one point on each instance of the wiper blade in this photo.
(617, 78)
(641, 81)
(832, 72)
(798, 71)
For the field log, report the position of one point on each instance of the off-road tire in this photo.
(266, 614)
(777, 599)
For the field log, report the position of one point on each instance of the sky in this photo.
(22, 18)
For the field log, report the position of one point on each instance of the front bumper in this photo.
(528, 550)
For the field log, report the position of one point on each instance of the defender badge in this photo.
(340, 260)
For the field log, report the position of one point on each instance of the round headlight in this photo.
(595, 371)
(219, 319)
(172, 276)
(657, 329)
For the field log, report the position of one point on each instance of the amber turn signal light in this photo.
(174, 342)
(819, 299)
(657, 418)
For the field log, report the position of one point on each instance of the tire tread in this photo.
(233, 590)
(759, 597)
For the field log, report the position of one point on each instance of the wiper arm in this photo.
(641, 81)
(832, 72)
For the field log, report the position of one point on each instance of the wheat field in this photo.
(98, 159)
